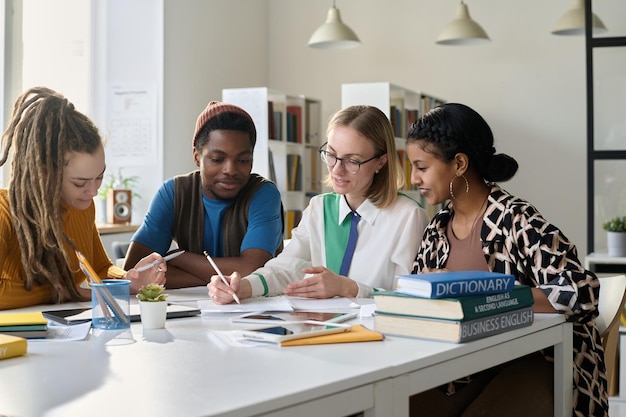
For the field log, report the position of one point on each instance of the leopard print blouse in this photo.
(517, 240)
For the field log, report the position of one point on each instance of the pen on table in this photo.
(160, 261)
(220, 274)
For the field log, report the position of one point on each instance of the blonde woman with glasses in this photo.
(354, 240)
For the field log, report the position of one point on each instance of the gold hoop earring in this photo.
(454, 198)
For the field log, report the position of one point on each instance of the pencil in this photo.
(220, 274)
(102, 293)
(160, 261)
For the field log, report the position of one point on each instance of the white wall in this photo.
(127, 79)
(209, 46)
(528, 84)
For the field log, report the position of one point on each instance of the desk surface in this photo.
(182, 371)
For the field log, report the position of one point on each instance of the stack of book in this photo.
(455, 306)
(28, 325)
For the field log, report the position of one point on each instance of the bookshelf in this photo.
(402, 106)
(288, 136)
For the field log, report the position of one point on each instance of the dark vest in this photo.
(189, 214)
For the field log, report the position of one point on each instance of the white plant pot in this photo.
(153, 314)
(616, 243)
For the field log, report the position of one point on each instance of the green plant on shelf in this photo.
(119, 182)
(616, 224)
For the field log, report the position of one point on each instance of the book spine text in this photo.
(491, 325)
(476, 286)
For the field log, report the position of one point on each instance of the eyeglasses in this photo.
(350, 165)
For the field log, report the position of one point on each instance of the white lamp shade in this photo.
(573, 22)
(334, 34)
(462, 30)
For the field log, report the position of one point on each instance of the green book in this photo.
(460, 308)
(23, 328)
(456, 331)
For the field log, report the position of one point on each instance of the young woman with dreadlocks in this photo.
(47, 212)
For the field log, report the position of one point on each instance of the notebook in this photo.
(82, 315)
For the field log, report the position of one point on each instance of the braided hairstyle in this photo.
(44, 127)
(454, 128)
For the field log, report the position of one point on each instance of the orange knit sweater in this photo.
(79, 226)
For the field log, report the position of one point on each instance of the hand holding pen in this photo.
(219, 272)
(160, 261)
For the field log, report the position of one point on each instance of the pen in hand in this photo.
(160, 261)
(217, 270)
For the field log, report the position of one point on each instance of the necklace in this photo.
(478, 215)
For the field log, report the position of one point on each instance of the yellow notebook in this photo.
(21, 319)
(357, 333)
(11, 346)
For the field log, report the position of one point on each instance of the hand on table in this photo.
(322, 283)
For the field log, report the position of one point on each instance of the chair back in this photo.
(119, 250)
(611, 302)
(610, 307)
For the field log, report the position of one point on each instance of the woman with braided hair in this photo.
(47, 212)
(483, 227)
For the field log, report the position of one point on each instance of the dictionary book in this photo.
(454, 283)
(456, 331)
(459, 308)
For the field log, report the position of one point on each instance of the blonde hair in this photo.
(44, 127)
(372, 123)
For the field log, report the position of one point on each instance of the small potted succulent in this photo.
(153, 306)
(616, 235)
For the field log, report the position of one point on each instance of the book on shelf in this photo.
(277, 125)
(459, 308)
(30, 325)
(293, 218)
(270, 160)
(312, 122)
(456, 331)
(294, 130)
(294, 172)
(312, 180)
(454, 283)
(411, 117)
(11, 346)
(271, 130)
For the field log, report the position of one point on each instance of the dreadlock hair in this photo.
(44, 127)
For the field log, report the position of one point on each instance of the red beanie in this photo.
(213, 109)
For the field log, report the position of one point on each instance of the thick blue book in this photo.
(452, 284)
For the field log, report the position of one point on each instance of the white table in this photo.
(181, 371)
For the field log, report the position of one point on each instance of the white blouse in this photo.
(387, 245)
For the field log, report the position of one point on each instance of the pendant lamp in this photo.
(462, 30)
(334, 34)
(573, 22)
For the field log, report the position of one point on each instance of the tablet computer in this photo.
(270, 318)
(82, 315)
(293, 330)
